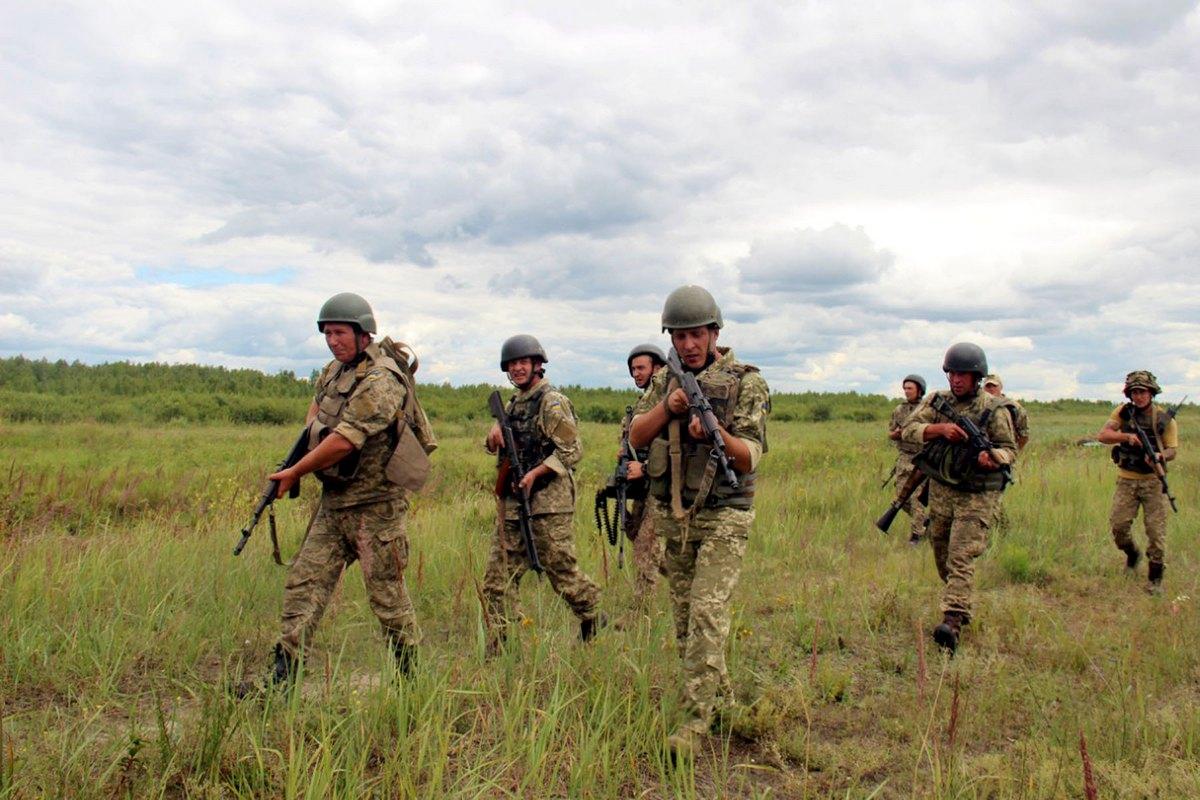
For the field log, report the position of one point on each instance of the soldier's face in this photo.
(520, 371)
(962, 383)
(911, 391)
(642, 369)
(694, 345)
(992, 389)
(343, 341)
(1140, 397)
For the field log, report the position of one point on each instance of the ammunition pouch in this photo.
(1131, 458)
(698, 467)
(955, 466)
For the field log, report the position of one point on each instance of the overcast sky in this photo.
(859, 185)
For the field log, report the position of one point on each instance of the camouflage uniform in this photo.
(1138, 486)
(554, 436)
(1020, 418)
(905, 467)
(705, 546)
(361, 515)
(959, 521)
(639, 527)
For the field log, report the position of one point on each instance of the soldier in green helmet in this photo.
(353, 431)
(1137, 483)
(643, 361)
(703, 518)
(913, 387)
(965, 483)
(546, 432)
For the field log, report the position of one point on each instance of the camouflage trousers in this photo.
(554, 541)
(647, 553)
(959, 523)
(373, 535)
(704, 562)
(914, 509)
(1148, 494)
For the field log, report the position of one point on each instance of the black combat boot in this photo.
(1154, 574)
(589, 627)
(406, 658)
(1132, 556)
(946, 634)
(282, 670)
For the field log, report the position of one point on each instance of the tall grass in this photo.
(124, 621)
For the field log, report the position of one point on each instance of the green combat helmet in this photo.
(521, 346)
(654, 351)
(349, 308)
(918, 380)
(690, 307)
(1141, 379)
(965, 357)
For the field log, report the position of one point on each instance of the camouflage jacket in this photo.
(1020, 417)
(998, 427)
(360, 402)
(747, 420)
(900, 415)
(558, 427)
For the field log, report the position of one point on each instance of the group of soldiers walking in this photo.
(960, 503)
(691, 448)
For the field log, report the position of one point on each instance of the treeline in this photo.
(61, 391)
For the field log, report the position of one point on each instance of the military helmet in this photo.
(349, 308)
(917, 379)
(654, 351)
(690, 307)
(965, 357)
(521, 346)
(1141, 379)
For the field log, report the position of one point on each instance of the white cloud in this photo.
(859, 184)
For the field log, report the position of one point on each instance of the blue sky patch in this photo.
(199, 277)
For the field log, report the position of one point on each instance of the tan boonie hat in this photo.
(1141, 379)
(993, 380)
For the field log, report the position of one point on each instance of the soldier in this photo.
(547, 438)
(703, 520)
(963, 497)
(644, 361)
(1137, 483)
(914, 391)
(1020, 418)
(353, 431)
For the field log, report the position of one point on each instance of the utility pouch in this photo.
(409, 464)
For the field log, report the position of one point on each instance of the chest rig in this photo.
(333, 396)
(1132, 458)
(955, 464)
(523, 415)
(681, 468)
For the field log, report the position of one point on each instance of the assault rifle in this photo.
(1153, 457)
(617, 488)
(915, 482)
(701, 408)
(977, 441)
(267, 498)
(508, 479)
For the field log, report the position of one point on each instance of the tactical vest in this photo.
(532, 447)
(332, 397)
(955, 464)
(1152, 420)
(721, 387)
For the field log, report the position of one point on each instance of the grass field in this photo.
(124, 618)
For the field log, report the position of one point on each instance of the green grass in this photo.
(124, 618)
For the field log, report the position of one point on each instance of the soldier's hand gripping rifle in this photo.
(1153, 457)
(267, 498)
(509, 476)
(702, 409)
(977, 441)
(617, 488)
(915, 481)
